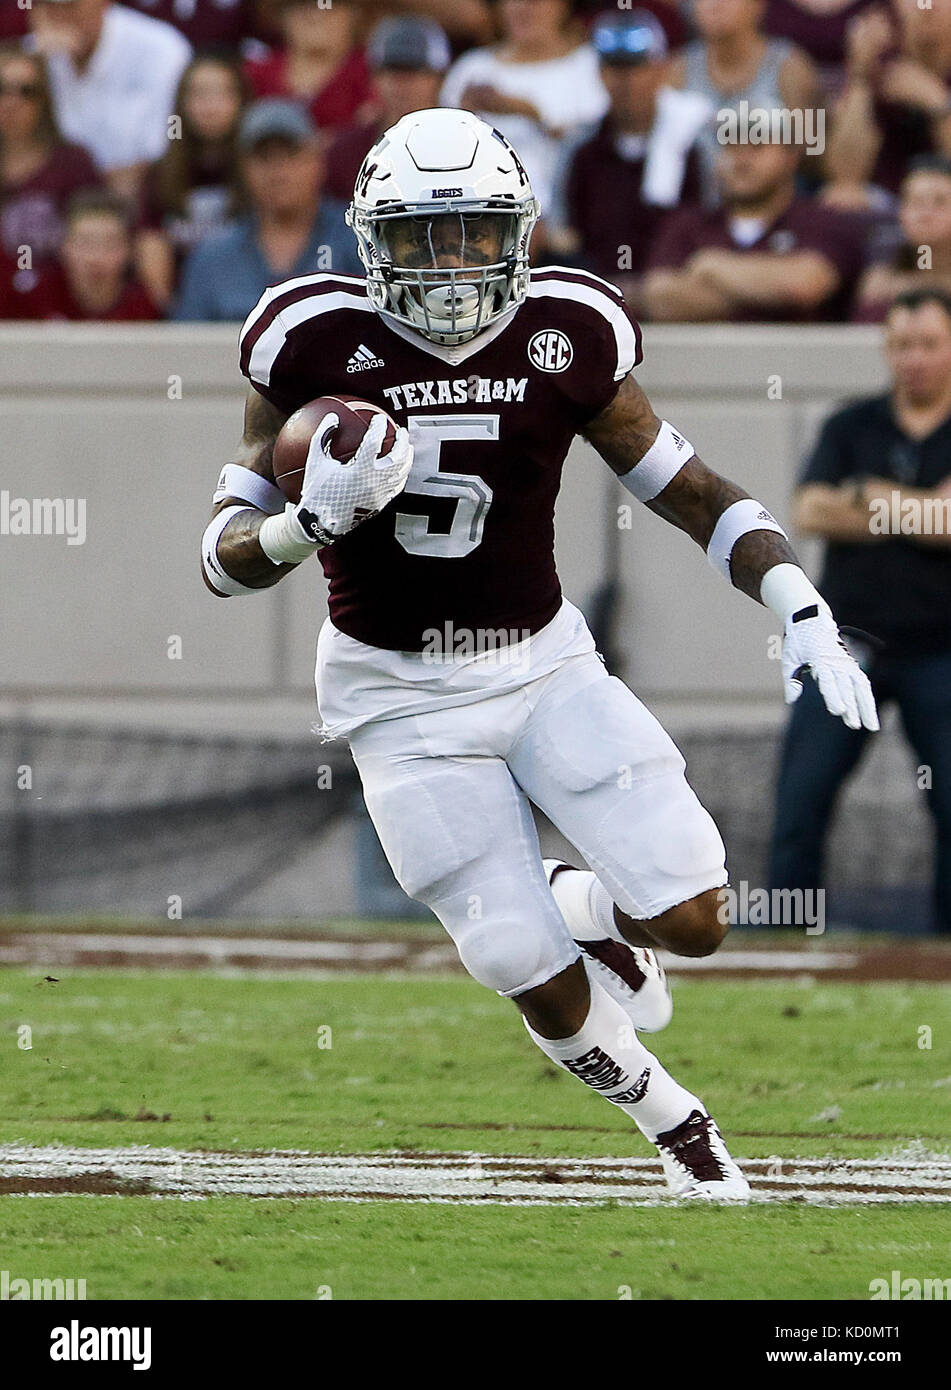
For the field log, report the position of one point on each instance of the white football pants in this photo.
(449, 789)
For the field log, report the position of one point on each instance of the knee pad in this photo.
(512, 956)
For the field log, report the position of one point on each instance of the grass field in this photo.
(353, 1065)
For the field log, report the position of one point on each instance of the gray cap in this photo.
(409, 42)
(275, 119)
(636, 36)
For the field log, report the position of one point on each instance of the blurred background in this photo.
(163, 161)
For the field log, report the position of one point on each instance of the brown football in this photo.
(293, 442)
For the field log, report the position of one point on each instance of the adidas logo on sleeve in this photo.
(363, 360)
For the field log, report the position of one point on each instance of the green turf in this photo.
(230, 1247)
(443, 1064)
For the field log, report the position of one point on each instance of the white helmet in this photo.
(443, 213)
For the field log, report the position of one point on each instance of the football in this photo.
(293, 442)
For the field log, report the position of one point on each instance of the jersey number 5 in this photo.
(473, 496)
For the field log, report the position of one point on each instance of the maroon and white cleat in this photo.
(631, 974)
(697, 1163)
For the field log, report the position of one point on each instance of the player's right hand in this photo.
(335, 496)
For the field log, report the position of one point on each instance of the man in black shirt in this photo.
(878, 489)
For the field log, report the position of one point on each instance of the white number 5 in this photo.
(473, 496)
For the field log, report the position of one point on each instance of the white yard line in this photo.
(468, 1178)
(61, 948)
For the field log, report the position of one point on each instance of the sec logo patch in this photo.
(551, 351)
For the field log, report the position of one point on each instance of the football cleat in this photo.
(631, 974)
(697, 1163)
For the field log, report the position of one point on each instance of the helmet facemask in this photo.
(446, 270)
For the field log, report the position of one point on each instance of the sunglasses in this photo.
(28, 90)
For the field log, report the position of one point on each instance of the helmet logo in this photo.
(551, 350)
(447, 193)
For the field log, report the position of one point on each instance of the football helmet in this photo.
(443, 213)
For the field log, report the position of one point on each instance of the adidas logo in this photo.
(363, 360)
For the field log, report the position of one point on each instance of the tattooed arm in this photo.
(695, 498)
(741, 539)
(239, 551)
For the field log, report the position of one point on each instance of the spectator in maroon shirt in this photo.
(765, 255)
(819, 28)
(897, 103)
(641, 162)
(39, 171)
(320, 64)
(409, 58)
(205, 23)
(93, 278)
(193, 189)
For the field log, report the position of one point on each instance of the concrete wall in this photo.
(85, 412)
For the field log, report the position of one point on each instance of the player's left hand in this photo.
(815, 644)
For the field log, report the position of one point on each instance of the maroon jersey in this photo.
(469, 543)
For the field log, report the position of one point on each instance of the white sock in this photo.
(586, 906)
(607, 1055)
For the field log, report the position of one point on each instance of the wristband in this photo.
(662, 462)
(219, 578)
(738, 519)
(237, 481)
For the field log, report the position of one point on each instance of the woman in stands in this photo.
(39, 171)
(733, 61)
(321, 63)
(193, 190)
(539, 86)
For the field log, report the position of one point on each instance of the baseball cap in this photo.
(409, 42)
(275, 118)
(634, 37)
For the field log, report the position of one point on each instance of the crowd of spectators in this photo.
(172, 158)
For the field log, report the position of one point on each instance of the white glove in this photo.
(814, 643)
(335, 496)
(338, 496)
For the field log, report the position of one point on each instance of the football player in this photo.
(467, 686)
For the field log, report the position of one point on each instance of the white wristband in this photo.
(237, 481)
(662, 462)
(739, 519)
(284, 540)
(786, 589)
(219, 578)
